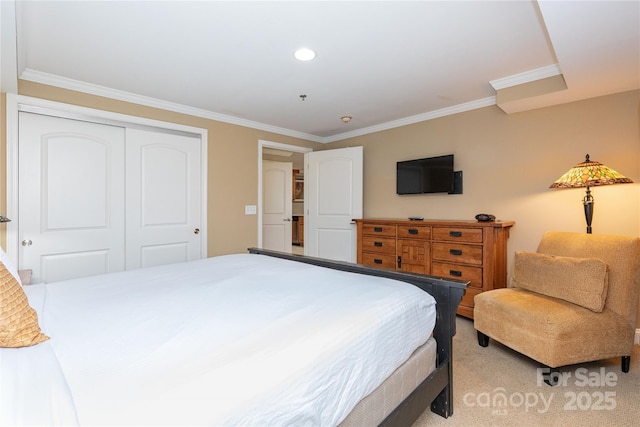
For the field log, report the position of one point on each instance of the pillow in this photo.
(18, 321)
(582, 281)
(9, 265)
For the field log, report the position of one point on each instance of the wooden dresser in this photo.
(466, 250)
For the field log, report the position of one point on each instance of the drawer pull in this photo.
(413, 231)
(378, 244)
(455, 233)
(377, 229)
(377, 261)
(455, 273)
(399, 261)
(455, 251)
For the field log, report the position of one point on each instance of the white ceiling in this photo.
(385, 63)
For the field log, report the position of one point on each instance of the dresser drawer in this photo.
(458, 271)
(379, 229)
(417, 232)
(379, 244)
(458, 253)
(453, 234)
(379, 260)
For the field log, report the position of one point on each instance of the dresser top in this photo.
(439, 222)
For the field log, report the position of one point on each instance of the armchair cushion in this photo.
(581, 281)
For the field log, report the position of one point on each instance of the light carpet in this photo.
(496, 386)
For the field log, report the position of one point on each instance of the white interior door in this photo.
(333, 198)
(277, 191)
(71, 203)
(163, 198)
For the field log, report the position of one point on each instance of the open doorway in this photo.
(274, 151)
(297, 210)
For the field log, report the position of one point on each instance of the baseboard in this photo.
(636, 339)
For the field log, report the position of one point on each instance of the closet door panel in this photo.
(163, 198)
(71, 197)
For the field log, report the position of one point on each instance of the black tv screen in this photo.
(429, 175)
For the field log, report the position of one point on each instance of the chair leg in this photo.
(483, 340)
(552, 377)
(626, 363)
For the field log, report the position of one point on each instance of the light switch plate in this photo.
(250, 210)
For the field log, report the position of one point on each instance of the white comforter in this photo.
(230, 340)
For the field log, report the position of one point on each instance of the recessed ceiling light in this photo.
(304, 54)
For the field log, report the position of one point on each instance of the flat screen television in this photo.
(429, 175)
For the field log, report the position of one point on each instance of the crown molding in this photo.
(79, 86)
(76, 85)
(460, 108)
(526, 77)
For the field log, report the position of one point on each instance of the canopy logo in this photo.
(499, 401)
(582, 377)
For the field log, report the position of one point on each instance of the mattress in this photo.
(375, 407)
(237, 339)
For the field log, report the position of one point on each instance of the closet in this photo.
(99, 197)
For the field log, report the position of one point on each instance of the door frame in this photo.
(278, 146)
(16, 103)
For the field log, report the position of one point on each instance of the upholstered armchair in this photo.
(573, 301)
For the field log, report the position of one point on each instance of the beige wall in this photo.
(508, 161)
(232, 168)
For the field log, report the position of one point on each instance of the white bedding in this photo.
(229, 340)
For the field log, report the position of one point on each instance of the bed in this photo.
(263, 338)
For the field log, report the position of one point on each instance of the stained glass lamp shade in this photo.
(589, 174)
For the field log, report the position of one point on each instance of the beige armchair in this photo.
(573, 301)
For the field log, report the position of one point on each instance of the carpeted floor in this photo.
(495, 386)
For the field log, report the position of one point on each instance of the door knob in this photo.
(27, 243)
(287, 219)
(196, 231)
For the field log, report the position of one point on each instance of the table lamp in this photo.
(589, 174)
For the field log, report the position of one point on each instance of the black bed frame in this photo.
(437, 388)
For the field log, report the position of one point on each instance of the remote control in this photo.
(416, 218)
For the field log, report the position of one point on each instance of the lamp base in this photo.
(588, 209)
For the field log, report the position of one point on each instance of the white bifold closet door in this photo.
(162, 198)
(97, 198)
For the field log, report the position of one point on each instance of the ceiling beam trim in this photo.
(526, 77)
